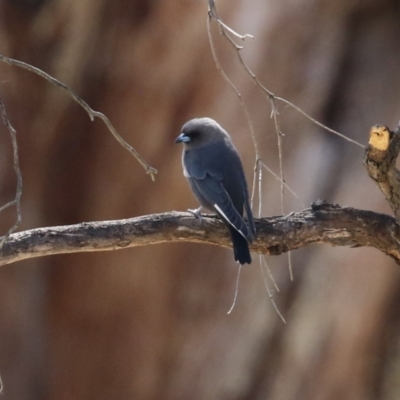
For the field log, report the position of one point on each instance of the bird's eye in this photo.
(193, 134)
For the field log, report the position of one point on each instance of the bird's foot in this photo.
(196, 213)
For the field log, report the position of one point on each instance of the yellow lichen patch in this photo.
(379, 137)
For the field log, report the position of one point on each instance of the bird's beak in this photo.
(182, 138)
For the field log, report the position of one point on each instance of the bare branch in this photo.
(322, 223)
(92, 113)
(18, 192)
(269, 170)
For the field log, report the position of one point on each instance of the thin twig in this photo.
(280, 157)
(9, 204)
(18, 193)
(92, 113)
(271, 297)
(289, 256)
(236, 290)
(284, 183)
(278, 131)
(253, 186)
(259, 191)
(264, 262)
(314, 121)
(212, 8)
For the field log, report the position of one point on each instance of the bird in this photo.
(214, 171)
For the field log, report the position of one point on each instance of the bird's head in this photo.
(199, 132)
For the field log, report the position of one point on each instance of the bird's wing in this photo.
(205, 168)
(212, 189)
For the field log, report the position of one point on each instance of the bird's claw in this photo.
(196, 213)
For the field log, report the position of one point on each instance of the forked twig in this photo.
(270, 95)
(263, 263)
(212, 8)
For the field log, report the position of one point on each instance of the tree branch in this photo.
(92, 113)
(322, 223)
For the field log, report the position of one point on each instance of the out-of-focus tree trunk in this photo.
(151, 323)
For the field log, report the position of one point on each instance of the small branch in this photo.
(18, 193)
(314, 121)
(380, 161)
(213, 12)
(92, 113)
(322, 223)
(9, 204)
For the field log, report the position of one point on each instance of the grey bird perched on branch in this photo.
(212, 166)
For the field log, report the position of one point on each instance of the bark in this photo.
(323, 223)
(380, 160)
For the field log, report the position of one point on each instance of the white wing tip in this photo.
(216, 206)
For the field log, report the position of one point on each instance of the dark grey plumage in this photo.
(215, 174)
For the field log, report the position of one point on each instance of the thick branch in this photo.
(322, 223)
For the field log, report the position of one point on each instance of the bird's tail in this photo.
(240, 247)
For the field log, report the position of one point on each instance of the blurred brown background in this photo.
(151, 323)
